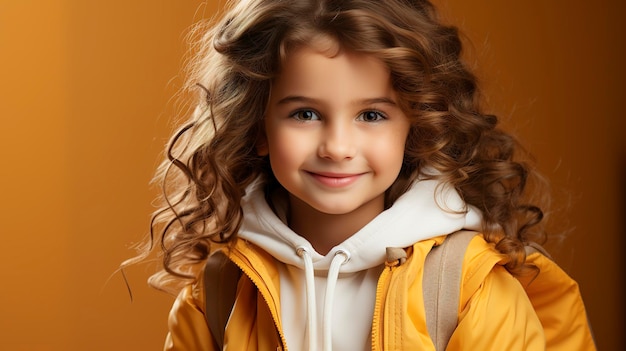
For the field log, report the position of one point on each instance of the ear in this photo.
(262, 148)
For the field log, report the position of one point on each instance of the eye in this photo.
(305, 115)
(371, 116)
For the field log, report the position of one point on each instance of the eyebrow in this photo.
(369, 101)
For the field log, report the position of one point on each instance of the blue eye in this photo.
(371, 116)
(305, 115)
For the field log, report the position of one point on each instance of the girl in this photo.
(327, 131)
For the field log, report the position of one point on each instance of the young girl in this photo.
(327, 131)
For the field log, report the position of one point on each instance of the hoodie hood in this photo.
(428, 209)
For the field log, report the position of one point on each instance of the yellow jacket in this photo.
(495, 312)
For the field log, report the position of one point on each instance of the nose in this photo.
(338, 141)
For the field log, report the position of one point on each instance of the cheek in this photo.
(286, 151)
(395, 156)
(389, 152)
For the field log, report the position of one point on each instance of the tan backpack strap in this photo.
(532, 247)
(221, 276)
(442, 286)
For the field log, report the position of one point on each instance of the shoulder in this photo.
(483, 262)
(479, 261)
(489, 295)
(480, 256)
(496, 314)
(194, 293)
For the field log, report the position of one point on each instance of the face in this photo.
(334, 132)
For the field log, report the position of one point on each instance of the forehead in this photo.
(322, 67)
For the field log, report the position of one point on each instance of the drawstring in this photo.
(310, 296)
(339, 258)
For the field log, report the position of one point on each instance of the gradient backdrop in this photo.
(85, 90)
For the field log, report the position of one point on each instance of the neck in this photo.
(325, 231)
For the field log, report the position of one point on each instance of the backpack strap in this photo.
(442, 286)
(532, 247)
(221, 276)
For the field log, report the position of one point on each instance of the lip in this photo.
(335, 180)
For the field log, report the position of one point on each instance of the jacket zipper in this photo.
(382, 289)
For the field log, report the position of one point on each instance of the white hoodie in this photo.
(327, 302)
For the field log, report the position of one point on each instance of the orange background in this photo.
(85, 90)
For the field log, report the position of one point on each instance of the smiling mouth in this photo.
(335, 180)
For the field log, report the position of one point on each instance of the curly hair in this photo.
(212, 158)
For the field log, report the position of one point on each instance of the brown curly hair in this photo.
(212, 158)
